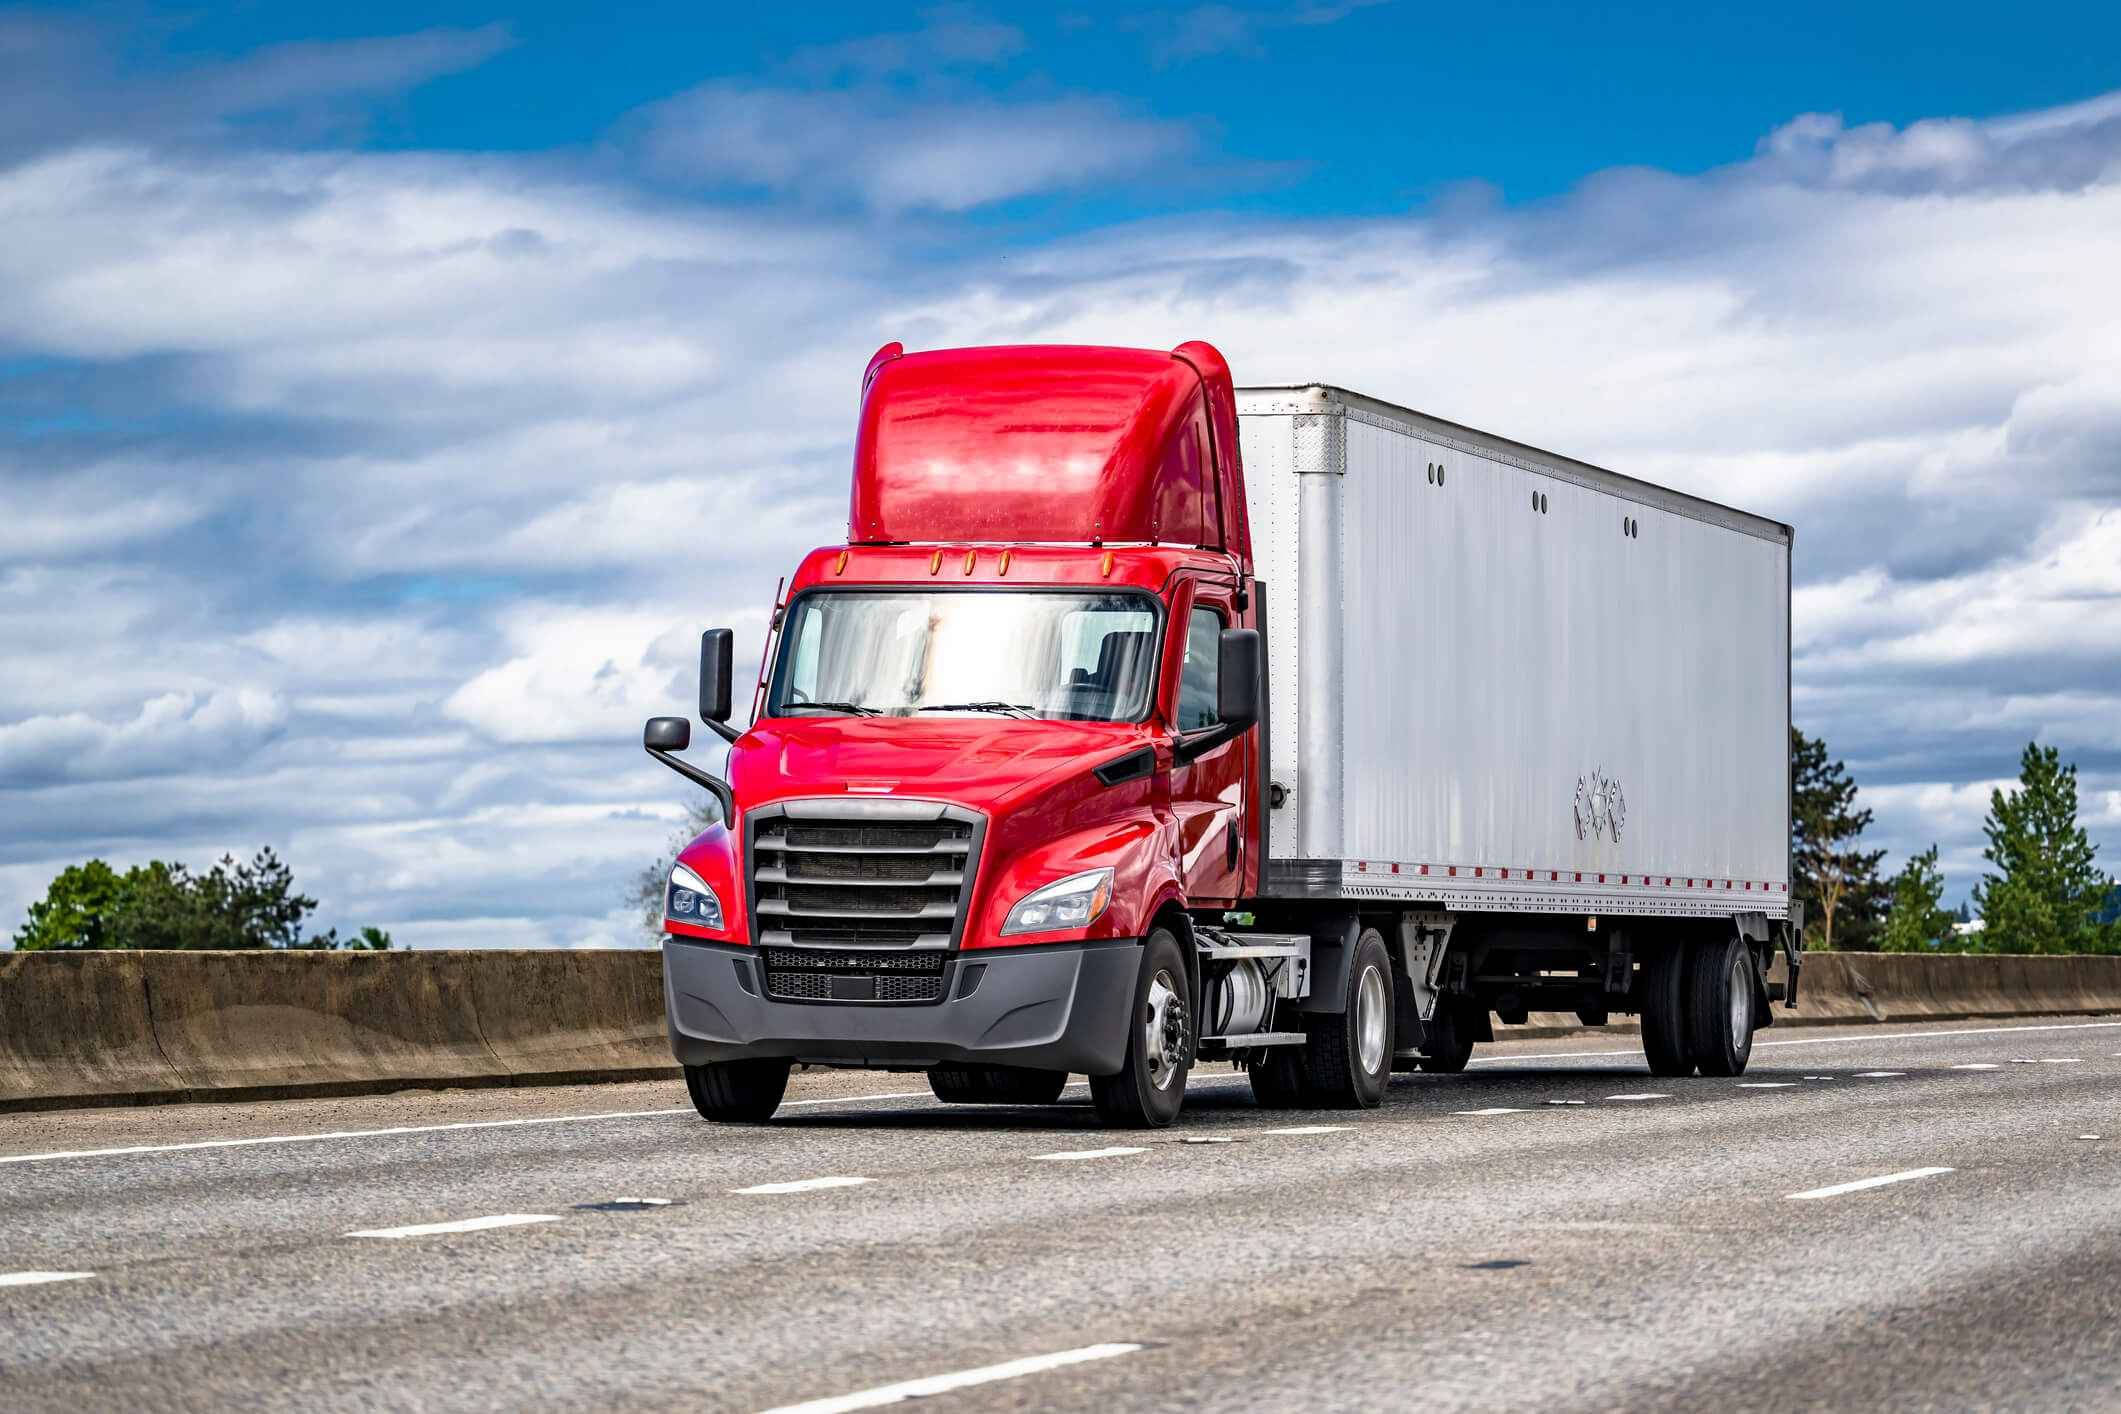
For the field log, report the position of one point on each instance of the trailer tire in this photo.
(1720, 1014)
(1447, 1039)
(1664, 998)
(1150, 1088)
(1348, 1058)
(738, 1091)
(996, 1085)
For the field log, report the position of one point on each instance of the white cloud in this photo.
(471, 449)
(1177, 36)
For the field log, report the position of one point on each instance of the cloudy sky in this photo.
(389, 394)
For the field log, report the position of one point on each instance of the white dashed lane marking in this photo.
(463, 1225)
(943, 1384)
(1877, 1074)
(40, 1278)
(803, 1185)
(1836, 1190)
(1497, 1110)
(1977, 1065)
(1767, 1084)
(1648, 1095)
(1307, 1129)
(1115, 1152)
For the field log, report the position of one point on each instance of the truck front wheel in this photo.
(1151, 1085)
(1720, 1008)
(738, 1091)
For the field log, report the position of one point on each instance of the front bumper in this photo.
(1061, 1006)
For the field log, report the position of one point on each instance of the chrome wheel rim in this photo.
(1741, 1004)
(1370, 1020)
(1164, 1031)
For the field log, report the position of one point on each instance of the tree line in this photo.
(158, 905)
(2043, 893)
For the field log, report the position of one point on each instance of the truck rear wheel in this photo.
(1447, 1037)
(1151, 1085)
(1348, 1059)
(738, 1091)
(996, 1085)
(1663, 1005)
(1720, 1008)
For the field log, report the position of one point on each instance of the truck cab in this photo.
(1002, 772)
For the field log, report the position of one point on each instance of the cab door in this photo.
(1208, 793)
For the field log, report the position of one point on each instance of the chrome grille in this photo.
(882, 874)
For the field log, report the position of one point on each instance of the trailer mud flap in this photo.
(1332, 946)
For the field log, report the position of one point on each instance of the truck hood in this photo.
(973, 761)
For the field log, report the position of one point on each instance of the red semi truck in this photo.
(1049, 773)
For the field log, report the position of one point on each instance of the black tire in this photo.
(1447, 1037)
(1278, 1081)
(1663, 1008)
(1719, 1015)
(739, 1091)
(996, 1085)
(1150, 1088)
(1348, 1059)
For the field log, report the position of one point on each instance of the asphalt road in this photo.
(1554, 1230)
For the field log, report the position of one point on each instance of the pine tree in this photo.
(1836, 878)
(1915, 923)
(2047, 888)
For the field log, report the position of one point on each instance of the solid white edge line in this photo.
(1818, 1041)
(1836, 1190)
(461, 1225)
(40, 1278)
(962, 1379)
(804, 1185)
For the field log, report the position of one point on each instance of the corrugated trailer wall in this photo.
(1488, 704)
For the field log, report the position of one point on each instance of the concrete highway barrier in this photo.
(120, 1028)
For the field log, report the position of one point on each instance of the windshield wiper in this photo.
(1012, 709)
(852, 709)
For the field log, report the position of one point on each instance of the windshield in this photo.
(1077, 657)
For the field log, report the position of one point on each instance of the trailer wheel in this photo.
(1447, 1039)
(1348, 1059)
(1664, 1031)
(1151, 1085)
(1720, 1018)
(996, 1085)
(738, 1091)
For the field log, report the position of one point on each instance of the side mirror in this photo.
(667, 734)
(716, 657)
(1237, 678)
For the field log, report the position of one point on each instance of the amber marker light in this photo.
(935, 562)
(1004, 569)
(1108, 564)
(971, 559)
(839, 566)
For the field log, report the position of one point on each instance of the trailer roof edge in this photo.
(1317, 398)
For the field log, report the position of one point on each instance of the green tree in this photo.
(1915, 923)
(1837, 879)
(2047, 890)
(158, 905)
(76, 910)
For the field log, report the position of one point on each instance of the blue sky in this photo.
(389, 393)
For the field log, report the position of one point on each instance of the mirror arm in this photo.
(724, 731)
(714, 785)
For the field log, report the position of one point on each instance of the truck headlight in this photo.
(1073, 902)
(687, 899)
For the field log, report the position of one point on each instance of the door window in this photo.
(1197, 679)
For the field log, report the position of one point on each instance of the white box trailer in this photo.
(1504, 679)
(1507, 685)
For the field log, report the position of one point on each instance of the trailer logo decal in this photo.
(1600, 807)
